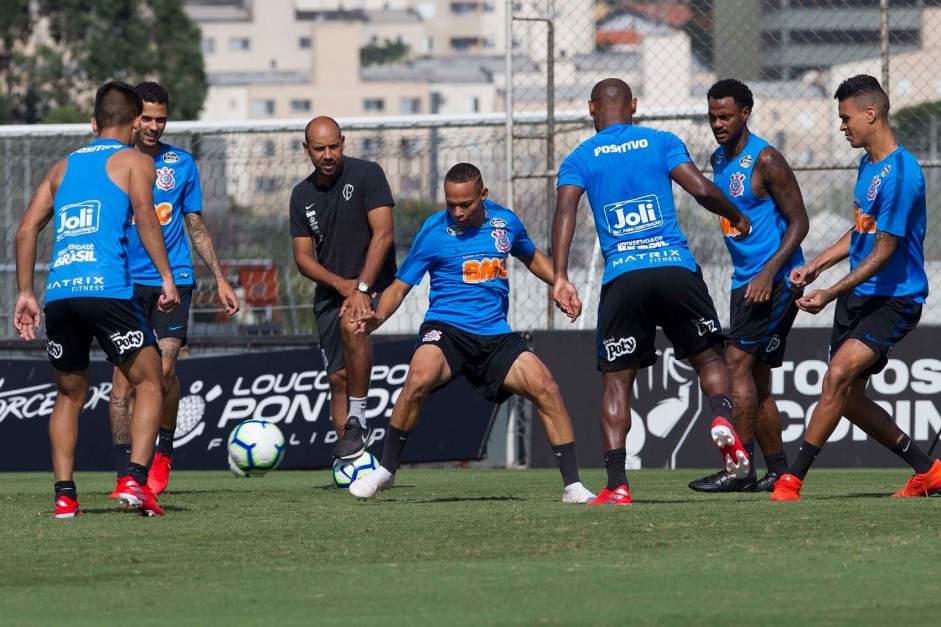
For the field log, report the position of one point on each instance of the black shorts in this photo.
(484, 359)
(635, 303)
(879, 322)
(327, 314)
(120, 326)
(165, 324)
(762, 329)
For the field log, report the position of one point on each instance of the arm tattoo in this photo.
(882, 250)
(202, 242)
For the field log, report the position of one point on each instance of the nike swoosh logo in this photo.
(307, 207)
(177, 328)
(905, 450)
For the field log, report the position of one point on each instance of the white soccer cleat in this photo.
(366, 486)
(577, 493)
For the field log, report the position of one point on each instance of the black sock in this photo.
(137, 472)
(913, 455)
(392, 450)
(805, 457)
(122, 457)
(750, 449)
(721, 406)
(165, 441)
(66, 488)
(614, 461)
(568, 462)
(776, 462)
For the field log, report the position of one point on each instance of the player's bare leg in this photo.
(159, 475)
(120, 407)
(768, 430)
(357, 355)
(530, 378)
(71, 391)
(427, 371)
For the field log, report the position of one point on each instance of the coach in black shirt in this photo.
(341, 225)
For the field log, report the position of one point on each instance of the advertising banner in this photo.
(671, 418)
(289, 388)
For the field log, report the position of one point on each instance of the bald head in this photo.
(322, 125)
(611, 103)
(323, 143)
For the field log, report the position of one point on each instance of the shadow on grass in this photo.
(468, 499)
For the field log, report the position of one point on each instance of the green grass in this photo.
(470, 547)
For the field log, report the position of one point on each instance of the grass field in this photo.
(470, 547)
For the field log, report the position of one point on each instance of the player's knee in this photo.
(337, 382)
(837, 378)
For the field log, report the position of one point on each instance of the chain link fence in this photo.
(792, 53)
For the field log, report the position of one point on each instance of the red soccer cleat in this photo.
(924, 484)
(618, 496)
(138, 497)
(67, 507)
(787, 488)
(733, 453)
(159, 475)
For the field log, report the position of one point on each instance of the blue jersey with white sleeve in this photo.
(890, 197)
(92, 218)
(625, 172)
(768, 224)
(467, 267)
(176, 191)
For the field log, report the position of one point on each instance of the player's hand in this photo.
(758, 290)
(742, 224)
(369, 323)
(27, 317)
(347, 287)
(815, 301)
(357, 305)
(565, 295)
(169, 297)
(230, 300)
(803, 276)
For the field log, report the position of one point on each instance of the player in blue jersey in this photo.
(92, 196)
(758, 179)
(650, 277)
(464, 249)
(177, 201)
(879, 301)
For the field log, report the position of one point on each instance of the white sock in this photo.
(358, 409)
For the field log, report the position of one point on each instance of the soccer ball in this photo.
(255, 447)
(347, 471)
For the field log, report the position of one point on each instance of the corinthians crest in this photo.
(736, 188)
(165, 180)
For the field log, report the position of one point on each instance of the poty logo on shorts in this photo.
(630, 216)
(128, 341)
(165, 180)
(502, 241)
(54, 349)
(873, 188)
(773, 344)
(704, 326)
(736, 188)
(77, 219)
(614, 348)
(347, 191)
(431, 336)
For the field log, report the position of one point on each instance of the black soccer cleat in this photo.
(723, 482)
(766, 483)
(354, 440)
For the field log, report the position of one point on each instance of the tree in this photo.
(918, 128)
(94, 41)
(388, 52)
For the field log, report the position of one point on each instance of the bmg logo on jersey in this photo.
(77, 219)
(630, 216)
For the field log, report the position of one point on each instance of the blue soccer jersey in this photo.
(176, 191)
(890, 197)
(768, 224)
(625, 171)
(467, 266)
(92, 219)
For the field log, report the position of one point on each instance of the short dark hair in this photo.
(734, 89)
(866, 87)
(152, 92)
(116, 104)
(463, 173)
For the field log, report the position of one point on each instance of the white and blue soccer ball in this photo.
(346, 471)
(255, 447)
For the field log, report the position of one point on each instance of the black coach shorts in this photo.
(327, 314)
(484, 359)
(762, 329)
(165, 324)
(879, 322)
(635, 303)
(120, 326)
